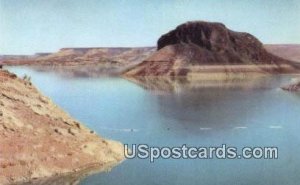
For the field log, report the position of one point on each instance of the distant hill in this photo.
(81, 56)
(84, 62)
(199, 46)
(15, 57)
(287, 51)
(122, 55)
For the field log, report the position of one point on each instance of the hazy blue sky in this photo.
(29, 26)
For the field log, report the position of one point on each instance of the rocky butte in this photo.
(41, 144)
(200, 48)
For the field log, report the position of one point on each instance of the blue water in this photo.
(119, 109)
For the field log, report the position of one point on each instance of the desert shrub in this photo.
(27, 79)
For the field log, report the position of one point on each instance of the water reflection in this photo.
(73, 178)
(214, 106)
(182, 84)
(82, 71)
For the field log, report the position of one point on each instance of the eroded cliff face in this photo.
(40, 141)
(193, 45)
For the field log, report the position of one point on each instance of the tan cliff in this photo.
(41, 143)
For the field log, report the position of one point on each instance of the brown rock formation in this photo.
(193, 45)
(41, 143)
(292, 87)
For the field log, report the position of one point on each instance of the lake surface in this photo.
(248, 114)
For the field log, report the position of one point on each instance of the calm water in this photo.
(119, 109)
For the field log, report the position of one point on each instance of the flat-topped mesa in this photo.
(209, 35)
(196, 44)
(215, 37)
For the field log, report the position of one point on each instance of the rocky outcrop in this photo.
(193, 45)
(295, 86)
(41, 143)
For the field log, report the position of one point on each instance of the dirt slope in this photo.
(39, 141)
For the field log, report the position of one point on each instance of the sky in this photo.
(30, 26)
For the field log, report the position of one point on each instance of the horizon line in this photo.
(113, 47)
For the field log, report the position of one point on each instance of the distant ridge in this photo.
(287, 51)
(82, 55)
